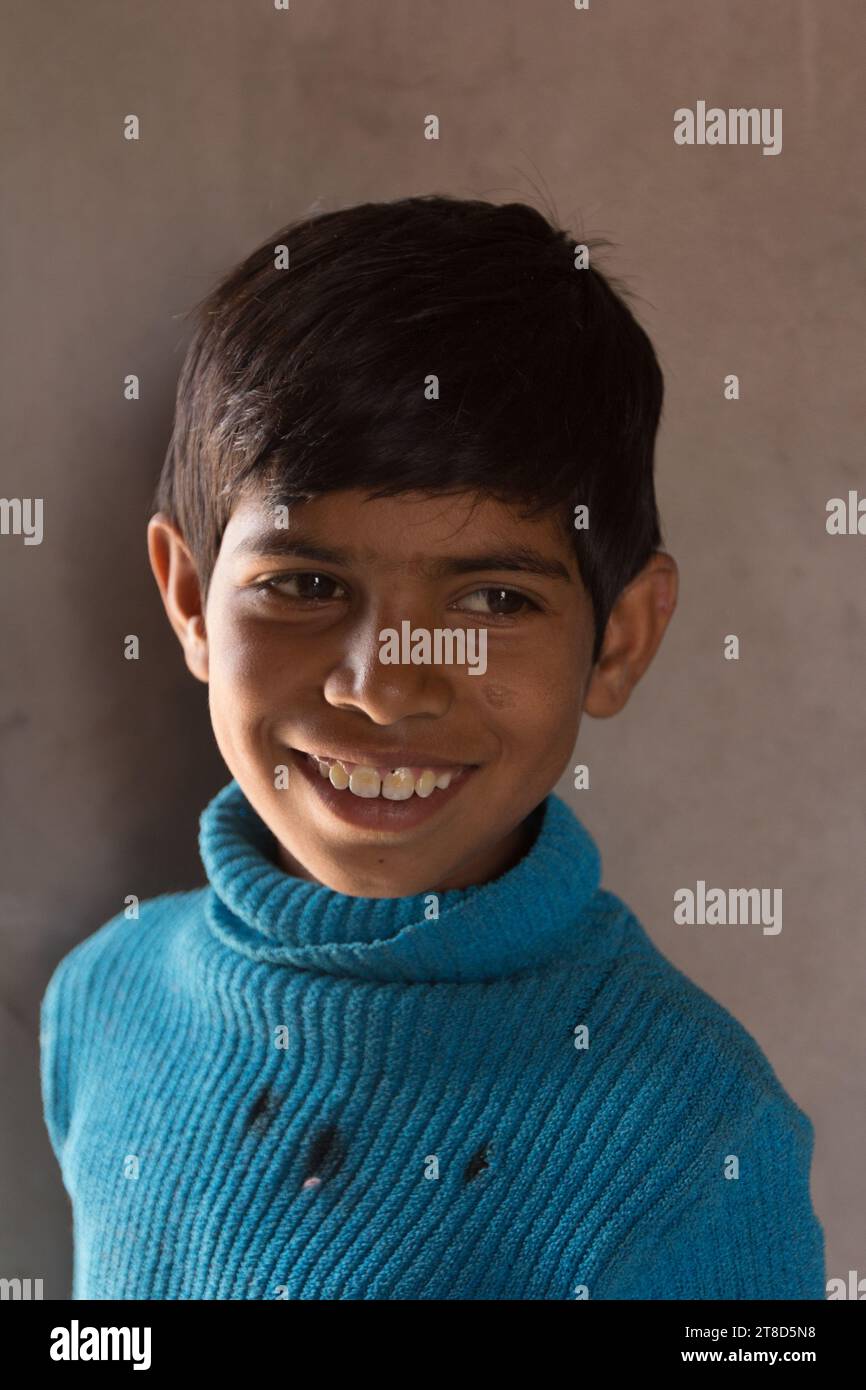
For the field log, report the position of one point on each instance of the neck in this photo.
(542, 902)
(482, 867)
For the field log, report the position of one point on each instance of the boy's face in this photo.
(289, 644)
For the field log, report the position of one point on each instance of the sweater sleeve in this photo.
(55, 1037)
(751, 1236)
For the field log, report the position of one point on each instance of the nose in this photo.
(386, 692)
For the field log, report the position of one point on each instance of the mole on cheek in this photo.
(498, 696)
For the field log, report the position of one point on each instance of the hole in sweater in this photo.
(477, 1163)
(325, 1156)
(262, 1111)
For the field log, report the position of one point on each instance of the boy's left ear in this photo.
(636, 626)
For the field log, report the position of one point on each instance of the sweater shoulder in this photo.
(692, 1031)
(122, 935)
(680, 1088)
(99, 973)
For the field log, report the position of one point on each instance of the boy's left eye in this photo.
(511, 594)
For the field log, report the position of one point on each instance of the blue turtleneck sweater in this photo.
(265, 1089)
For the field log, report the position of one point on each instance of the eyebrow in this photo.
(519, 558)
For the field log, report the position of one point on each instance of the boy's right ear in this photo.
(176, 575)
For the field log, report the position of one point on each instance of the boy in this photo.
(403, 1045)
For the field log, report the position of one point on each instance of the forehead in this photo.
(404, 529)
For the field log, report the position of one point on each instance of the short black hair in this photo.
(310, 379)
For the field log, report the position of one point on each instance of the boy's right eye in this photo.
(304, 579)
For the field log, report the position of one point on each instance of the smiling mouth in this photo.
(388, 784)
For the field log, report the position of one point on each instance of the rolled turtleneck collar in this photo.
(536, 911)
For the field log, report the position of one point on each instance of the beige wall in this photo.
(740, 773)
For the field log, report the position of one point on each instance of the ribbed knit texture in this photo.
(265, 1089)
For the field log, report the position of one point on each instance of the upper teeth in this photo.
(397, 785)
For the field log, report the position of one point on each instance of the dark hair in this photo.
(311, 379)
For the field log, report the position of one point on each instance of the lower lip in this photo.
(376, 812)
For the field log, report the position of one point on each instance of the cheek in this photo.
(541, 712)
(246, 667)
(542, 680)
(499, 697)
(524, 703)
